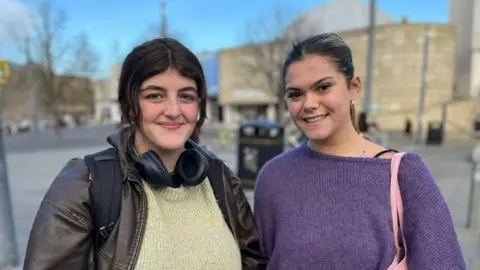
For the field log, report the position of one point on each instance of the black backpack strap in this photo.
(106, 176)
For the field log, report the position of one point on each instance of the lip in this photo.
(323, 116)
(171, 126)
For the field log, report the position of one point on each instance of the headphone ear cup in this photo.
(192, 167)
(152, 170)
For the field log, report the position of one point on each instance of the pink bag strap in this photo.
(396, 201)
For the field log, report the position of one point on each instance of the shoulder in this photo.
(218, 170)
(281, 162)
(217, 167)
(69, 193)
(412, 165)
(204, 151)
(416, 181)
(70, 190)
(275, 169)
(72, 178)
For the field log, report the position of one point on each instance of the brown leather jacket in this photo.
(62, 233)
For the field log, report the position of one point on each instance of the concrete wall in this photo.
(397, 70)
(243, 75)
(465, 16)
(461, 16)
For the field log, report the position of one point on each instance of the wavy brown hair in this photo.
(149, 59)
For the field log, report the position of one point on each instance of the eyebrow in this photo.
(156, 87)
(313, 84)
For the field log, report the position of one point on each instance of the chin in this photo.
(317, 136)
(169, 142)
(170, 145)
(317, 133)
(314, 133)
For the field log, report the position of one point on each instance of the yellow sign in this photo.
(4, 72)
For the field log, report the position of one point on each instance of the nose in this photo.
(311, 102)
(172, 109)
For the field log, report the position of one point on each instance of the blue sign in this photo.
(209, 63)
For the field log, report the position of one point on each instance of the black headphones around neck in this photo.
(190, 170)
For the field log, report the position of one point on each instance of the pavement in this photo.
(85, 136)
(33, 162)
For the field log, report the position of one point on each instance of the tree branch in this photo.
(269, 40)
(63, 62)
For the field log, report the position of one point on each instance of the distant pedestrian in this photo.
(408, 128)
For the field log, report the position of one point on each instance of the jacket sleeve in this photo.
(246, 230)
(61, 235)
(431, 241)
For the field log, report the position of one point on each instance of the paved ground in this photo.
(72, 137)
(34, 162)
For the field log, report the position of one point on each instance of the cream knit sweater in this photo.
(185, 230)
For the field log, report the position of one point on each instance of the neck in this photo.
(168, 157)
(345, 142)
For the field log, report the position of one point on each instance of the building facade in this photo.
(107, 110)
(397, 75)
(465, 16)
(244, 90)
(399, 66)
(210, 62)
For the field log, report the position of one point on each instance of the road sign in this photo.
(4, 72)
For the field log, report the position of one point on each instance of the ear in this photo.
(355, 87)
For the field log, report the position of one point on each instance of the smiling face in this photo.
(318, 96)
(169, 109)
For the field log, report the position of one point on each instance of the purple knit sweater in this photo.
(317, 211)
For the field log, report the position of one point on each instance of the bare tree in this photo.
(116, 53)
(268, 41)
(62, 61)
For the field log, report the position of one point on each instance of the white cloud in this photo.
(16, 20)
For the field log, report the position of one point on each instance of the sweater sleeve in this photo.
(430, 237)
(264, 211)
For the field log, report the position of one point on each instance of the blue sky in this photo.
(200, 24)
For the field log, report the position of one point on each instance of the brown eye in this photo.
(155, 97)
(293, 95)
(188, 98)
(324, 86)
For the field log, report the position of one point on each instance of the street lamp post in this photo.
(8, 245)
(371, 48)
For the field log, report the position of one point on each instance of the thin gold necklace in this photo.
(364, 150)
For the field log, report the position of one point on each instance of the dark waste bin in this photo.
(258, 142)
(476, 128)
(435, 133)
